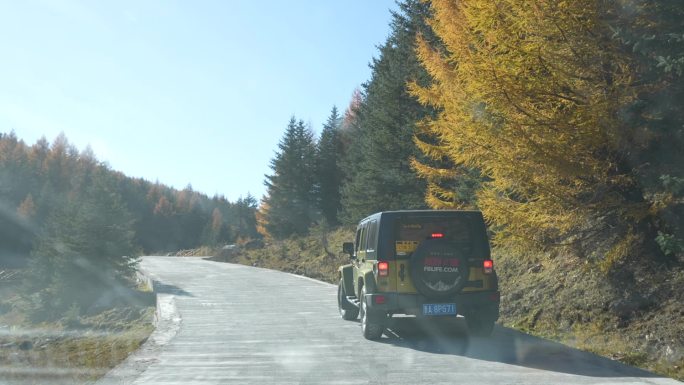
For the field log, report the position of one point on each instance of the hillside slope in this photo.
(636, 320)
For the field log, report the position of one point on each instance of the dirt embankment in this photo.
(634, 317)
(317, 256)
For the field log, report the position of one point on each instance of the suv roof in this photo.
(431, 212)
(384, 239)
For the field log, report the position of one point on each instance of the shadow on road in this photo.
(159, 287)
(449, 336)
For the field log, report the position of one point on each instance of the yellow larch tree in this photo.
(262, 219)
(529, 94)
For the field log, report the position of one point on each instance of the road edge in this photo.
(167, 322)
(209, 259)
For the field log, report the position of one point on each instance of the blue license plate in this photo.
(439, 309)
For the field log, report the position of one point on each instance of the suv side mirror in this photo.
(348, 248)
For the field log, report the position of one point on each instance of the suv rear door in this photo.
(412, 229)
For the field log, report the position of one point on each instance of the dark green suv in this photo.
(425, 263)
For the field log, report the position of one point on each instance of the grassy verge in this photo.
(561, 299)
(317, 256)
(199, 252)
(72, 350)
(568, 301)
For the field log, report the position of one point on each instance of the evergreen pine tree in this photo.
(328, 170)
(245, 215)
(291, 196)
(653, 34)
(380, 139)
(81, 254)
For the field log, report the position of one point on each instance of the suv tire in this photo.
(348, 310)
(372, 323)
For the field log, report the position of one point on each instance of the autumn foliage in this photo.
(546, 100)
(74, 222)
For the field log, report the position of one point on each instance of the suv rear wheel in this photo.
(372, 323)
(347, 309)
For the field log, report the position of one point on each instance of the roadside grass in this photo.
(572, 302)
(561, 299)
(72, 350)
(316, 256)
(199, 252)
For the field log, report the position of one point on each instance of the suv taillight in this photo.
(488, 266)
(383, 269)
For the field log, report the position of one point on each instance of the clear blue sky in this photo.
(182, 91)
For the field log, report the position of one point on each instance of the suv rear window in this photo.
(409, 232)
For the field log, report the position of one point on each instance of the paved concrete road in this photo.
(237, 324)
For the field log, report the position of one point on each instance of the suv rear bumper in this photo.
(472, 302)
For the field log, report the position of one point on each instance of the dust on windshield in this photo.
(153, 154)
